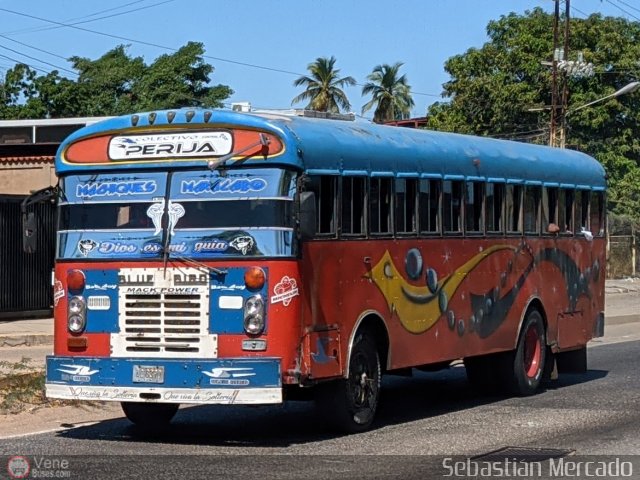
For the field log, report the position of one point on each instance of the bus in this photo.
(216, 257)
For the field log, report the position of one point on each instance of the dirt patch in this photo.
(22, 388)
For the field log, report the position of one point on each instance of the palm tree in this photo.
(324, 87)
(391, 94)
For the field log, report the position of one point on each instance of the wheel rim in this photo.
(362, 383)
(532, 352)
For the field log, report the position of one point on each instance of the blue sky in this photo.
(281, 34)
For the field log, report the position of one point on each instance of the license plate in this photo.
(148, 374)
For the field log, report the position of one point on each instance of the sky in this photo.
(259, 47)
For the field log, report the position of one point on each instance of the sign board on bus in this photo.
(165, 145)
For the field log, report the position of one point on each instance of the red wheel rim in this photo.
(532, 352)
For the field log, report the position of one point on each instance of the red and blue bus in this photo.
(216, 257)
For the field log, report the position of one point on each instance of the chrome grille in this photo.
(163, 319)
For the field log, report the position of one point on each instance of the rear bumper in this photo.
(218, 381)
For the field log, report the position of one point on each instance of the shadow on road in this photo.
(424, 396)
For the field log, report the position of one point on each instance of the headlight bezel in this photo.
(254, 315)
(76, 314)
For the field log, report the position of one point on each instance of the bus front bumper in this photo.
(217, 381)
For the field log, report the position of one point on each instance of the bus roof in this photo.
(338, 147)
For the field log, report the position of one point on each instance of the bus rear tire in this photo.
(350, 404)
(149, 416)
(524, 367)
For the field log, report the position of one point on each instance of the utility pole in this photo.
(565, 87)
(554, 77)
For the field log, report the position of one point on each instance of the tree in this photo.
(391, 94)
(503, 90)
(114, 84)
(323, 89)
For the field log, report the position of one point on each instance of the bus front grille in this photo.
(158, 322)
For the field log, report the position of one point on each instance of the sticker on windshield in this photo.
(242, 244)
(222, 186)
(86, 247)
(110, 189)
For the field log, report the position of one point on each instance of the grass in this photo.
(22, 388)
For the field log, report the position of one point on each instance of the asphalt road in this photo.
(421, 420)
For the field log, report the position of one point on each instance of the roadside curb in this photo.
(620, 319)
(30, 340)
(35, 339)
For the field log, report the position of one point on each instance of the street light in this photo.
(629, 88)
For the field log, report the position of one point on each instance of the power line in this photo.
(38, 60)
(622, 9)
(61, 25)
(163, 47)
(19, 62)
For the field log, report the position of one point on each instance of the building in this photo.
(27, 151)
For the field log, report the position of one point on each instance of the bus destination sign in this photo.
(170, 145)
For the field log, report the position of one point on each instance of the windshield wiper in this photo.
(217, 162)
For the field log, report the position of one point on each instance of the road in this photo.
(420, 420)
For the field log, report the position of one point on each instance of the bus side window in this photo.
(452, 206)
(325, 190)
(549, 208)
(513, 209)
(582, 210)
(596, 210)
(380, 205)
(405, 201)
(565, 211)
(531, 208)
(473, 206)
(494, 207)
(429, 206)
(353, 206)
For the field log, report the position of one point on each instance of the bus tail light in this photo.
(76, 281)
(254, 315)
(254, 278)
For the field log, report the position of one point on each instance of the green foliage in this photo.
(113, 84)
(503, 90)
(323, 88)
(391, 94)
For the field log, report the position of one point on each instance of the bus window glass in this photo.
(494, 204)
(324, 188)
(429, 206)
(597, 213)
(582, 210)
(452, 206)
(380, 205)
(531, 207)
(405, 201)
(565, 211)
(513, 207)
(474, 198)
(353, 202)
(549, 207)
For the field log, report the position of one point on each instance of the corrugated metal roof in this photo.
(28, 159)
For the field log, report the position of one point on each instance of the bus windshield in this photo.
(194, 213)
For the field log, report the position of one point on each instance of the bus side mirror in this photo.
(307, 215)
(29, 232)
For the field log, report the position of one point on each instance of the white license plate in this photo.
(148, 374)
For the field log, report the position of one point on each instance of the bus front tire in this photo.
(149, 416)
(350, 404)
(525, 366)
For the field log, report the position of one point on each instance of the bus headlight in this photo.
(76, 317)
(254, 315)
